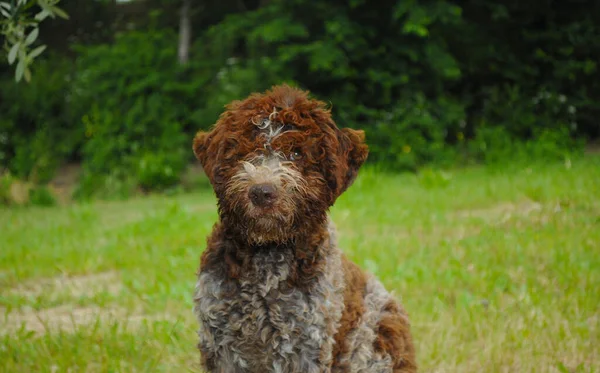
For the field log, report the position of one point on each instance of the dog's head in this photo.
(277, 162)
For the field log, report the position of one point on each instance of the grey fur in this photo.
(263, 326)
(362, 358)
(257, 324)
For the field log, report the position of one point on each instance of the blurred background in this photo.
(116, 97)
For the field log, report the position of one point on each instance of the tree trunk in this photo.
(185, 32)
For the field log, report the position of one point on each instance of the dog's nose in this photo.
(262, 194)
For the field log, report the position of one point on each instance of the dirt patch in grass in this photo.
(75, 286)
(69, 318)
(65, 317)
(501, 212)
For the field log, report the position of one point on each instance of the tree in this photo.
(185, 32)
(20, 31)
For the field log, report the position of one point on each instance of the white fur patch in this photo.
(271, 128)
(270, 170)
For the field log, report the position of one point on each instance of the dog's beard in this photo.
(261, 225)
(273, 223)
(269, 229)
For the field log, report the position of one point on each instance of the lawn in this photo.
(498, 268)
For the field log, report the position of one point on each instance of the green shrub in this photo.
(492, 145)
(5, 182)
(513, 127)
(115, 184)
(41, 196)
(133, 130)
(159, 171)
(143, 109)
(554, 144)
(431, 82)
(431, 178)
(415, 132)
(38, 129)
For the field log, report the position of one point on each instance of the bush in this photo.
(513, 126)
(144, 109)
(41, 196)
(426, 79)
(416, 132)
(133, 131)
(431, 82)
(38, 129)
(159, 171)
(5, 182)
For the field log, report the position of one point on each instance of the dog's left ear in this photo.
(354, 151)
(201, 145)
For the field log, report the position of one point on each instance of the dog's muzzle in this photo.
(262, 195)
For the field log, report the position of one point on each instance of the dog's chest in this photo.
(261, 324)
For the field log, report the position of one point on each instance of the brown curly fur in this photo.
(315, 162)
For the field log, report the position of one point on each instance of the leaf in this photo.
(42, 15)
(5, 5)
(45, 7)
(5, 13)
(12, 54)
(20, 70)
(32, 36)
(27, 74)
(59, 12)
(37, 51)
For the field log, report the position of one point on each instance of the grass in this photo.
(498, 268)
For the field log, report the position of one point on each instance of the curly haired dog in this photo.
(274, 291)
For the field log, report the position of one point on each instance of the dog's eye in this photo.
(288, 127)
(295, 155)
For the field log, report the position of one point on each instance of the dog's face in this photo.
(277, 162)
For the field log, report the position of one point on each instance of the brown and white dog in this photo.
(274, 291)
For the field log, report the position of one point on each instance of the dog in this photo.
(274, 292)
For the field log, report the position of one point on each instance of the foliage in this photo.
(41, 196)
(431, 178)
(432, 82)
(133, 128)
(5, 182)
(513, 126)
(416, 132)
(140, 134)
(39, 126)
(159, 171)
(21, 31)
(426, 77)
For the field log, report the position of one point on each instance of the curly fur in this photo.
(274, 292)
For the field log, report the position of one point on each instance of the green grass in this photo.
(499, 270)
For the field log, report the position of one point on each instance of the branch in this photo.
(21, 31)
